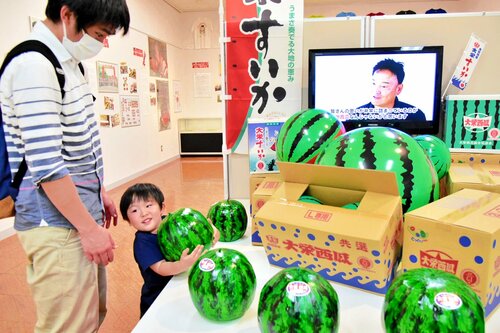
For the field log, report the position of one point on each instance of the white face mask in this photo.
(87, 47)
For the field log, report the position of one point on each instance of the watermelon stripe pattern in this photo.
(184, 228)
(437, 151)
(305, 134)
(310, 199)
(230, 218)
(420, 300)
(226, 290)
(281, 310)
(387, 149)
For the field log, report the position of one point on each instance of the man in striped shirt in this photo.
(62, 210)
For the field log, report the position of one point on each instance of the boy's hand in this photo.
(187, 260)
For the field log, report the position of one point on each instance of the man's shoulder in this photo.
(366, 106)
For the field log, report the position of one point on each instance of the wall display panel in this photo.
(453, 32)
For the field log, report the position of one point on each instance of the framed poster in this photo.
(157, 58)
(107, 77)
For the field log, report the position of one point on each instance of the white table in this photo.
(173, 310)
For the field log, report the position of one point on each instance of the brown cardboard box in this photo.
(474, 171)
(259, 196)
(359, 247)
(458, 234)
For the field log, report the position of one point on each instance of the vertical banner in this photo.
(263, 63)
(468, 62)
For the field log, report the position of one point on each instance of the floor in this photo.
(194, 182)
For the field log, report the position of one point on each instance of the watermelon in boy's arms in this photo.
(222, 284)
(230, 218)
(184, 228)
(298, 300)
(430, 300)
(305, 134)
(387, 149)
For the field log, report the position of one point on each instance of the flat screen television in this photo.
(398, 87)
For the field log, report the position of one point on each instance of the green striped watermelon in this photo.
(222, 284)
(351, 205)
(437, 151)
(230, 218)
(184, 228)
(305, 134)
(427, 300)
(310, 199)
(387, 149)
(298, 300)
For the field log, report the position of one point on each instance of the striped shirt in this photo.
(56, 137)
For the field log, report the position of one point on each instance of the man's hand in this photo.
(109, 210)
(98, 245)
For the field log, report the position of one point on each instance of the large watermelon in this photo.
(184, 228)
(230, 218)
(305, 134)
(298, 300)
(387, 149)
(427, 300)
(310, 199)
(222, 284)
(437, 151)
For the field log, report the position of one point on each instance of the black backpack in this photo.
(9, 187)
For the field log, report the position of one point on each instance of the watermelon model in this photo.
(310, 199)
(427, 300)
(222, 284)
(387, 149)
(230, 218)
(298, 300)
(437, 151)
(305, 134)
(184, 228)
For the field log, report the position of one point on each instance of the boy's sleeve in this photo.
(146, 250)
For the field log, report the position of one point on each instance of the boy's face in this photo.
(145, 215)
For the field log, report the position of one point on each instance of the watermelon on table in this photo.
(427, 300)
(230, 218)
(298, 300)
(305, 134)
(184, 228)
(222, 284)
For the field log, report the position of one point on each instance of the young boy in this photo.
(143, 205)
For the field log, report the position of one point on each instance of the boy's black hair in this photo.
(395, 67)
(141, 191)
(90, 12)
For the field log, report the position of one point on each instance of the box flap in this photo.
(341, 177)
(467, 207)
(488, 174)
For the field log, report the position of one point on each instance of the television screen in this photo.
(397, 87)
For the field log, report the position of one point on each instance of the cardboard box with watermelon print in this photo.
(474, 171)
(357, 247)
(460, 234)
(259, 195)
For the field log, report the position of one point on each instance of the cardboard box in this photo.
(359, 248)
(472, 123)
(262, 137)
(458, 234)
(474, 171)
(259, 195)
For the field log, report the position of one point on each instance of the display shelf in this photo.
(200, 136)
(173, 310)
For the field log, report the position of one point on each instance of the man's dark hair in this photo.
(141, 191)
(395, 67)
(90, 12)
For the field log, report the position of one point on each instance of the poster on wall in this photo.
(107, 77)
(163, 106)
(109, 116)
(263, 64)
(128, 79)
(130, 111)
(176, 87)
(152, 94)
(202, 85)
(158, 65)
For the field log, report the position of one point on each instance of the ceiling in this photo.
(213, 5)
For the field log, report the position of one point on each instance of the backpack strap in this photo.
(32, 46)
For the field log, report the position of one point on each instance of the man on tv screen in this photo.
(387, 81)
